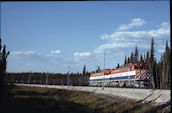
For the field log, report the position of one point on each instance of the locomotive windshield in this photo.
(141, 67)
(135, 67)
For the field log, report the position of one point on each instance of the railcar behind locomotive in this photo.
(132, 75)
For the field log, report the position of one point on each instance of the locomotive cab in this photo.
(142, 75)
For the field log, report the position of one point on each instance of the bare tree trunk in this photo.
(152, 81)
(161, 79)
(163, 76)
(166, 77)
(152, 78)
(157, 82)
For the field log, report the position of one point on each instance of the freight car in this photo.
(131, 75)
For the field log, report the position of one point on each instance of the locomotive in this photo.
(130, 75)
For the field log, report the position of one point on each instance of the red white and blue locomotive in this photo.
(132, 75)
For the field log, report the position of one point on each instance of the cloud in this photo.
(23, 52)
(134, 23)
(31, 56)
(55, 52)
(122, 35)
(34, 56)
(83, 54)
(129, 39)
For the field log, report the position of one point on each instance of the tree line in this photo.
(75, 79)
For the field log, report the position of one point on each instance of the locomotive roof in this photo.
(123, 67)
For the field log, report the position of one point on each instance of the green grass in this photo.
(21, 99)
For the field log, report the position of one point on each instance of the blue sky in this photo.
(50, 36)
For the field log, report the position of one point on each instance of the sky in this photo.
(53, 36)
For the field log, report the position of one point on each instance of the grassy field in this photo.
(21, 99)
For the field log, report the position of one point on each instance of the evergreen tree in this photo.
(125, 62)
(98, 69)
(117, 66)
(3, 65)
(152, 54)
(166, 66)
(136, 54)
(132, 58)
(151, 64)
(84, 70)
(128, 61)
(141, 59)
(144, 58)
(147, 58)
(3, 61)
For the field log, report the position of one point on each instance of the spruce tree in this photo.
(141, 59)
(152, 54)
(84, 70)
(128, 61)
(144, 58)
(166, 70)
(132, 58)
(136, 54)
(125, 62)
(3, 62)
(151, 64)
(98, 69)
(118, 66)
(147, 59)
(3, 65)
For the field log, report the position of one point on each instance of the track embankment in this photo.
(143, 95)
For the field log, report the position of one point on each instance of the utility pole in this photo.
(12, 78)
(47, 79)
(68, 77)
(46, 76)
(104, 70)
(29, 79)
